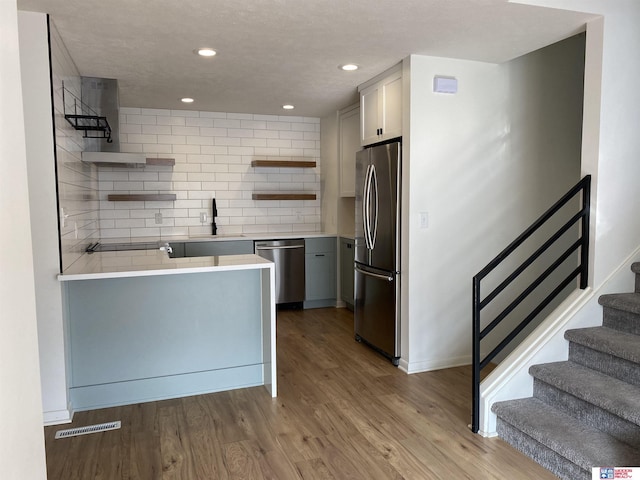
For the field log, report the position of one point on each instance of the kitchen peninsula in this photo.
(142, 326)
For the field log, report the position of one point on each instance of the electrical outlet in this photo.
(203, 217)
(298, 214)
(158, 219)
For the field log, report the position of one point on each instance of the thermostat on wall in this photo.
(445, 84)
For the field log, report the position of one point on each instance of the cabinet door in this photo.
(346, 271)
(349, 141)
(369, 115)
(320, 276)
(391, 102)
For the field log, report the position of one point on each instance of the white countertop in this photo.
(214, 238)
(140, 263)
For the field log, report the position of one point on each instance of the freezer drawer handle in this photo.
(389, 278)
(279, 248)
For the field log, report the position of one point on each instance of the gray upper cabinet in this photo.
(320, 272)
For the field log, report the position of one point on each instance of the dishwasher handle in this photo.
(281, 247)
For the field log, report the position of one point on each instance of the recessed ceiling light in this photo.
(205, 52)
(186, 100)
(288, 107)
(349, 67)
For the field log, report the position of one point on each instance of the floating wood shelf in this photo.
(124, 160)
(284, 196)
(284, 163)
(141, 197)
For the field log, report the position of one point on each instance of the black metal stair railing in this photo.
(479, 303)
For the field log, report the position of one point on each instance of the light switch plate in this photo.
(424, 220)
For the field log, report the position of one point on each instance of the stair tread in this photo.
(607, 340)
(628, 302)
(608, 393)
(584, 446)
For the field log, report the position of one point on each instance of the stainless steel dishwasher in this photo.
(288, 255)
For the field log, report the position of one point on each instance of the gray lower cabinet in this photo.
(206, 249)
(177, 249)
(320, 272)
(346, 271)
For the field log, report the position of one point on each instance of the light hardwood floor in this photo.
(343, 412)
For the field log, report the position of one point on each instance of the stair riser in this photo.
(622, 321)
(540, 453)
(587, 413)
(605, 363)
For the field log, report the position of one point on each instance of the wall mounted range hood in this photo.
(101, 96)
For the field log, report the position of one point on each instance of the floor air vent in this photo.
(74, 432)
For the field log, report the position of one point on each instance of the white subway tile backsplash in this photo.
(227, 123)
(186, 148)
(213, 115)
(199, 122)
(185, 113)
(177, 130)
(198, 140)
(131, 147)
(168, 120)
(144, 176)
(154, 111)
(213, 153)
(153, 129)
(141, 119)
(142, 213)
(214, 167)
(172, 139)
(130, 128)
(156, 148)
(160, 186)
(213, 132)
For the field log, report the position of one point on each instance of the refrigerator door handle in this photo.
(366, 207)
(374, 231)
(388, 278)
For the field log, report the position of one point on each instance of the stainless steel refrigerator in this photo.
(377, 249)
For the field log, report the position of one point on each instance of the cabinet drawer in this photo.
(319, 245)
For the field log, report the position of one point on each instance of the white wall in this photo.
(612, 119)
(22, 442)
(36, 88)
(213, 153)
(483, 164)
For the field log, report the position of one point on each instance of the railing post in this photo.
(475, 415)
(584, 248)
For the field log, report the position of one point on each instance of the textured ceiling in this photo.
(272, 52)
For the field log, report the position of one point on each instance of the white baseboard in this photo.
(57, 417)
(439, 364)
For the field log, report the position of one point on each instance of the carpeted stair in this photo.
(584, 412)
